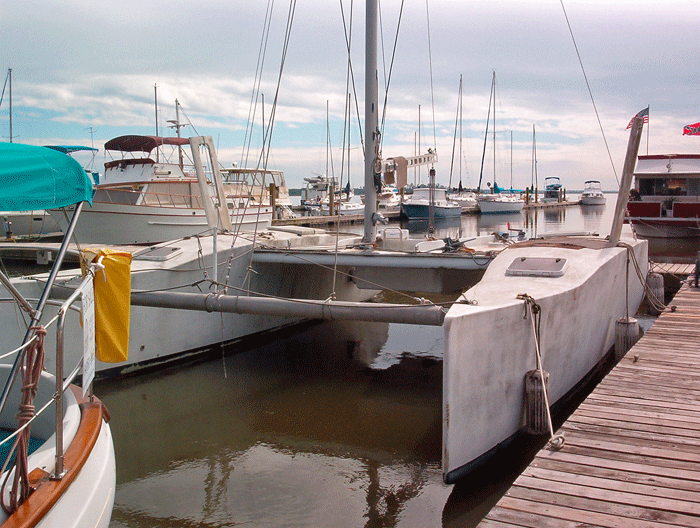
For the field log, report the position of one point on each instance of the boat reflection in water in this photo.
(592, 216)
(336, 425)
(500, 223)
(442, 227)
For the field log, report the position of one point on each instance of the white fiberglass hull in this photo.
(28, 223)
(592, 199)
(500, 205)
(88, 498)
(666, 227)
(490, 345)
(105, 223)
(160, 335)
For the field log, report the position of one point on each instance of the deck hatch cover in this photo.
(538, 266)
(158, 253)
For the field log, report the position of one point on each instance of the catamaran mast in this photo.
(371, 121)
(9, 80)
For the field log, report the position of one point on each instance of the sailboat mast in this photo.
(460, 131)
(9, 80)
(486, 135)
(419, 124)
(493, 93)
(371, 120)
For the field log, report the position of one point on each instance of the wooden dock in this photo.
(548, 205)
(632, 452)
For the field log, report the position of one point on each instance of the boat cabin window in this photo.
(128, 196)
(663, 186)
(693, 187)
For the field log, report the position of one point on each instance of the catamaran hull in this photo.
(159, 336)
(490, 345)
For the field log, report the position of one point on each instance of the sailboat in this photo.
(496, 202)
(60, 468)
(30, 223)
(466, 199)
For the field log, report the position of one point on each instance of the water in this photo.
(334, 424)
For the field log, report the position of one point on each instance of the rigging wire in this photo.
(348, 33)
(265, 153)
(3, 88)
(432, 91)
(348, 102)
(252, 109)
(454, 139)
(588, 86)
(391, 69)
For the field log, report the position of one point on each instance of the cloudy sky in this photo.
(85, 71)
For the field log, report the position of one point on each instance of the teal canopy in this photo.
(69, 149)
(33, 178)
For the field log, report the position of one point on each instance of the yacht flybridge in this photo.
(149, 195)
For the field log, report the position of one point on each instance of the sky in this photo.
(85, 72)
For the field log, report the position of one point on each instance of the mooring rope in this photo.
(31, 373)
(556, 442)
(655, 302)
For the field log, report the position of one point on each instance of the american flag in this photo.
(643, 113)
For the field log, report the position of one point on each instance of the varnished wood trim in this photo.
(49, 491)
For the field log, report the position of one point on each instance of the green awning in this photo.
(33, 178)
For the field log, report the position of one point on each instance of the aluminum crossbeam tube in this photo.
(424, 314)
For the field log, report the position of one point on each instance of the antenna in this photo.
(175, 123)
(155, 90)
(92, 145)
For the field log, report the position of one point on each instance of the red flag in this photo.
(643, 113)
(691, 130)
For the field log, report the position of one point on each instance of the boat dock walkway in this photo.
(548, 205)
(632, 450)
(327, 220)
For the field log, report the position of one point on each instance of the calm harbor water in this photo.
(333, 424)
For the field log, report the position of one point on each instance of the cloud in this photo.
(78, 67)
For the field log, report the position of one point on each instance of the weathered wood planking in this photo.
(673, 268)
(632, 451)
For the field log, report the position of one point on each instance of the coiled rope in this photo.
(32, 365)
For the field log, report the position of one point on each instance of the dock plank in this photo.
(632, 450)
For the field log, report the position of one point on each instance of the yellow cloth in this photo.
(112, 302)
